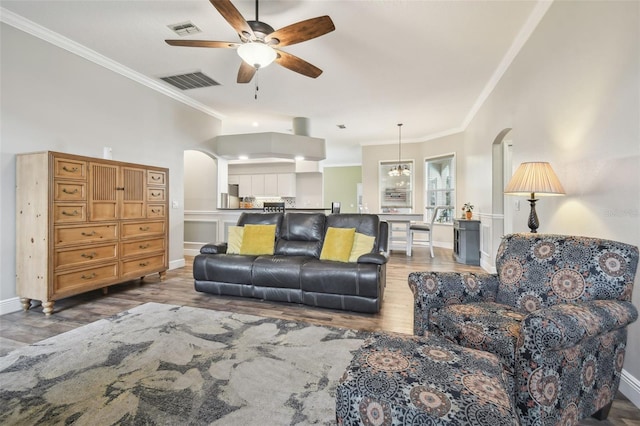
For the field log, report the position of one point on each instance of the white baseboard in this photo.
(191, 252)
(487, 266)
(10, 305)
(175, 264)
(630, 387)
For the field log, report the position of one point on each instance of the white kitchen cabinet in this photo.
(244, 186)
(271, 185)
(257, 185)
(286, 184)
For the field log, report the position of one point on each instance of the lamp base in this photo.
(533, 223)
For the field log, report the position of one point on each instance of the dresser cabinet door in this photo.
(103, 192)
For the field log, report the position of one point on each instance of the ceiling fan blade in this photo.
(203, 43)
(301, 31)
(233, 17)
(246, 72)
(296, 64)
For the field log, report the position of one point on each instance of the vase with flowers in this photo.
(467, 210)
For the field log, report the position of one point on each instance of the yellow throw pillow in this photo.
(258, 239)
(337, 244)
(362, 244)
(235, 239)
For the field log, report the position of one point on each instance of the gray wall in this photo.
(55, 100)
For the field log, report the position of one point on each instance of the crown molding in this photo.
(527, 29)
(36, 30)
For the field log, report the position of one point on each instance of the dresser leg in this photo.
(163, 275)
(47, 307)
(105, 290)
(26, 303)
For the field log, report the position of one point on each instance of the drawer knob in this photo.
(143, 246)
(144, 228)
(89, 234)
(66, 191)
(70, 170)
(73, 213)
(143, 263)
(89, 255)
(155, 177)
(155, 210)
(156, 194)
(90, 276)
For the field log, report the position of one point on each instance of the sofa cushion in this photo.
(337, 244)
(367, 224)
(247, 218)
(278, 271)
(301, 234)
(226, 268)
(326, 276)
(258, 239)
(362, 244)
(486, 326)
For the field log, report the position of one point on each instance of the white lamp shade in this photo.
(257, 54)
(538, 178)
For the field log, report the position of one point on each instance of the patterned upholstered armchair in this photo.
(556, 313)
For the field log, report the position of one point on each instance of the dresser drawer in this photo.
(141, 266)
(69, 212)
(66, 235)
(85, 256)
(69, 191)
(155, 194)
(69, 169)
(156, 178)
(139, 247)
(155, 211)
(85, 279)
(142, 229)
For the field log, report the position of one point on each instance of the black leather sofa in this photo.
(295, 273)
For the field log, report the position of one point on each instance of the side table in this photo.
(466, 241)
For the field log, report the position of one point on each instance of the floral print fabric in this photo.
(555, 313)
(402, 380)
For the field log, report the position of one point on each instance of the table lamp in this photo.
(531, 179)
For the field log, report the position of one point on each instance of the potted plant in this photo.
(467, 208)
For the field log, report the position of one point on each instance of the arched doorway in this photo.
(501, 173)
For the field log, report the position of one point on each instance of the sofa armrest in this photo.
(214, 248)
(566, 325)
(377, 258)
(437, 289)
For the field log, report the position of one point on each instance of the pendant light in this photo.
(400, 170)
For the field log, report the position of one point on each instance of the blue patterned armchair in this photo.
(556, 314)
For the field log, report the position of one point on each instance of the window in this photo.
(440, 184)
(396, 186)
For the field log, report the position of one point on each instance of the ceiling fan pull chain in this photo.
(255, 95)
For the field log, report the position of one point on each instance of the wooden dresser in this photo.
(86, 223)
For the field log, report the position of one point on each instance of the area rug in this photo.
(173, 365)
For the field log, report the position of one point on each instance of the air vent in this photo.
(184, 29)
(193, 80)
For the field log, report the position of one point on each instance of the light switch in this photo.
(175, 204)
(517, 205)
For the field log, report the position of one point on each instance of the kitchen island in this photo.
(202, 227)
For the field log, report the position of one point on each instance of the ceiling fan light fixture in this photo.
(257, 54)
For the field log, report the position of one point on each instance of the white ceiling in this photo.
(426, 64)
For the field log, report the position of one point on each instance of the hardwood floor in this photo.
(23, 328)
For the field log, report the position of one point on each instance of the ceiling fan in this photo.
(260, 44)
